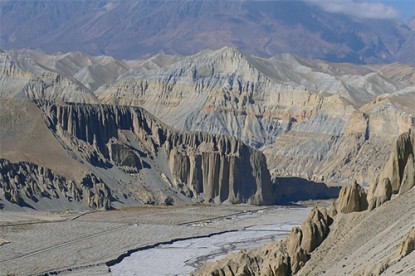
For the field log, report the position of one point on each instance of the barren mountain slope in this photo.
(109, 156)
(363, 233)
(95, 71)
(313, 117)
(358, 151)
(22, 77)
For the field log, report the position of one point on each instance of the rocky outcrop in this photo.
(276, 258)
(271, 259)
(352, 198)
(303, 240)
(126, 158)
(398, 161)
(398, 175)
(380, 193)
(315, 120)
(23, 181)
(96, 192)
(385, 227)
(408, 244)
(218, 167)
(345, 238)
(315, 229)
(408, 177)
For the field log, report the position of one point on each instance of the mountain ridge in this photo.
(303, 114)
(262, 28)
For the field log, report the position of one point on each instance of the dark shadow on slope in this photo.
(292, 189)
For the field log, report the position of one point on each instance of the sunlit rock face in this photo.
(312, 119)
(108, 156)
(398, 175)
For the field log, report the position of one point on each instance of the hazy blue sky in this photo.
(383, 9)
(405, 7)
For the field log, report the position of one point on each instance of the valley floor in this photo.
(70, 242)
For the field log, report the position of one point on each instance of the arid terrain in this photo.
(160, 141)
(44, 242)
(207, 137)
(362, 233)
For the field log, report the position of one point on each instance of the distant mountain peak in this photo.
(261, 28)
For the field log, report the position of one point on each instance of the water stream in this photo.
(183, 257)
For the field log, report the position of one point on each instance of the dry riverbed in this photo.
(104, 241)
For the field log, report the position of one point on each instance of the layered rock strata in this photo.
(315, 120)
(101, 156)
(319, 121)
(322, 247)
(219, 167)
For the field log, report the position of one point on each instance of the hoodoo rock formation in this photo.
(351, 238)
(320, 121)
(352, 198)
(26, 180)
(398, 175)
(219, 167)
(127, 157)
(285, 257)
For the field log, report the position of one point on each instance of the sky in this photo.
(405, 7)
(383, 9)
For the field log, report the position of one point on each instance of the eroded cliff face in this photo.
(315, 120)
(350, 238)
(101, 156)
(337, 150)
(312, 119)
(398, 175)
(218, 167)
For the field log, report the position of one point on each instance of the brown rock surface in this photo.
(373, 243)
(333, 121)
(408, 177)
(359, 243)
(408, 245)
(271, 259)
(220, 167)
(122, 156)
(380, 193)
(285, 257)
(352, 198)
(298, 256)
(398, 175)
(315, 229)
